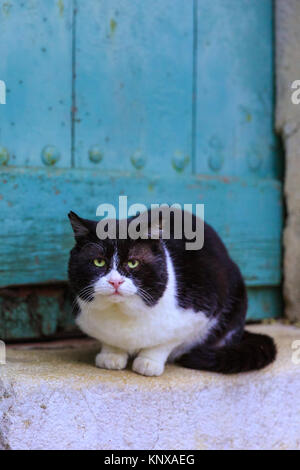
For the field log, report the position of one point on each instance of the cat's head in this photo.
(115, 270)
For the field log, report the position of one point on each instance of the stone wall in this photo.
(288, 125)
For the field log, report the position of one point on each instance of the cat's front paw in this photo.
(149, 367)
(111, 361)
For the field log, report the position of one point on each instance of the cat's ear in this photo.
(155, 231)
(164, 221)
(144, 225)
(159, 220)
(81, 227)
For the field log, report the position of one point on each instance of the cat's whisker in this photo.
(145, 295)
(87, 293)
(88, 287)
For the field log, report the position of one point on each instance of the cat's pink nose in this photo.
(116, 282)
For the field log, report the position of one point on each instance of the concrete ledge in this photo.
(56, 399)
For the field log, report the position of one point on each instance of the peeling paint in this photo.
(61, 7)
(35, 312)
(6, 8)
(113, 26)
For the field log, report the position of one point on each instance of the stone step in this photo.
(53, 397)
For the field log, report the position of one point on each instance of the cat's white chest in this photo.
(151, 326)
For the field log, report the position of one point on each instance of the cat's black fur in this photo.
(207, 280)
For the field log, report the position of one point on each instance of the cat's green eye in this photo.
(133, 263)
(99, 262)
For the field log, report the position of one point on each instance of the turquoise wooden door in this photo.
(164, 101)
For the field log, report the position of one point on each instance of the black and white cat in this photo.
(155, 301)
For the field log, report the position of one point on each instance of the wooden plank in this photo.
(134, 78)
(235, 89)
(35, 234)
(37, 312)
(264, 302)
(36, 64)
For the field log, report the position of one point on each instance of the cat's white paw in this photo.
(111, 361)
(145, 366)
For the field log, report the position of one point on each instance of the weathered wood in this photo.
(134, 79)
(35, 233)
(235, 89)
(36, 312)
(157, 90)
(36, 64)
